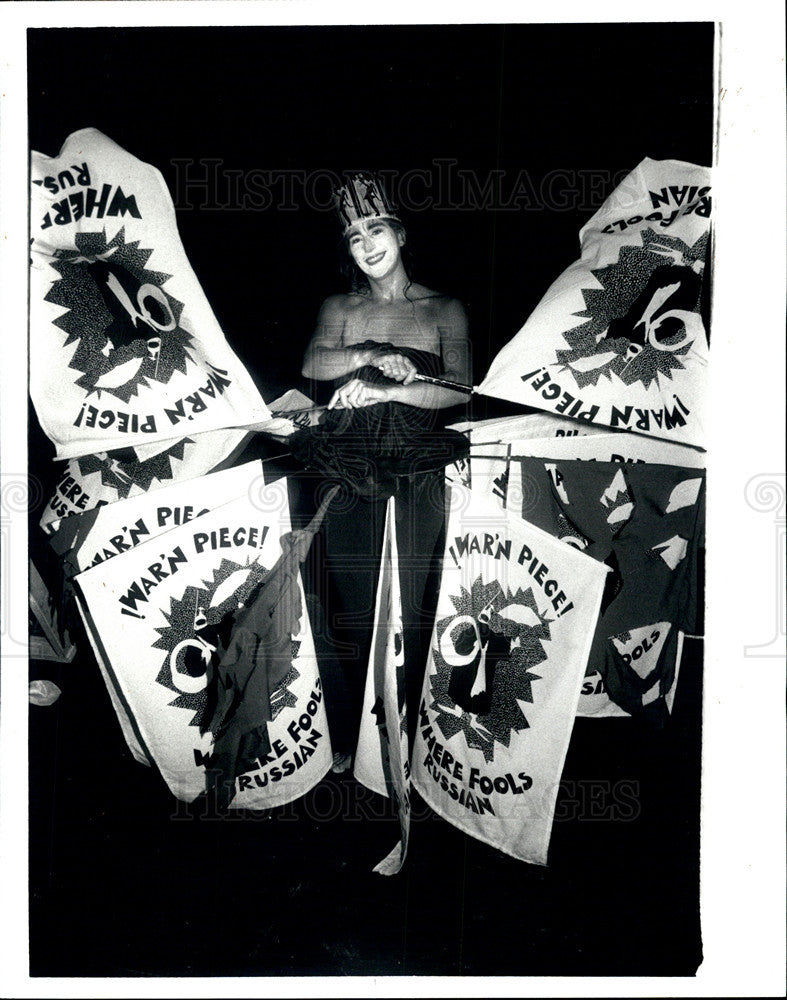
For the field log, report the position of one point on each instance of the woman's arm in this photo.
(455, 354)
(325, 356)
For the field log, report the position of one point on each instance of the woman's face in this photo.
(375, 247)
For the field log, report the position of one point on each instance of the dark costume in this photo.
(374, 452)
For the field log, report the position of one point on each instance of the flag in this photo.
(503, 431)
(620, 447)
(382, 760)
(594, 699)
(115, 529)
(289, 413)
(124, 347)
(645, 522)
(521, 426)
(92, 481)
(108, 531)
(500, 463)
(618, 339)
(487, 473)
(253, 672)
(121, 526)
(162, 613)
(513, 629)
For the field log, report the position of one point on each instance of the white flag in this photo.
(621, 447)
(527, 425)
(95, 480)
(618, 338)
(121, 526)
(382, 758)
(160, 615)
(124, 347)
(514, 624)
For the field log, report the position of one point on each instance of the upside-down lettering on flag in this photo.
(382, 758)
(619, 339)
(95, 480)
(521, 427)
(162, 617)
(514, 623)
(487, 474)
(621, 447)
(645, 522)
(124, 346)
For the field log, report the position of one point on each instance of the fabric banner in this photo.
(622, 447)
(528, 425)
(291, 412)
(646, 523)
(124, 347)
(486, 475)
(618, 339)
(594, 700)
(494, 471)
(382, 758)
(121, 526)
(162, 616)
(514, 623)
(95, 480)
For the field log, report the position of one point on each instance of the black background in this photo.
(117, 886)
(589, 100)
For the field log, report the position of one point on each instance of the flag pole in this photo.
(444, 383)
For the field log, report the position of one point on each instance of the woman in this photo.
(382, 438)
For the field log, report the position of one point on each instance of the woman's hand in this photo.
(395, 366)
(357, 393)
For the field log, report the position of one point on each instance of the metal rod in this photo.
(444, 383)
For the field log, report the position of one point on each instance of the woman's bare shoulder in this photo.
(441, 306)
(341, 305)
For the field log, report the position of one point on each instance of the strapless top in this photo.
(365, 449)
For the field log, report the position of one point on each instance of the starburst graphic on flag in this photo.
(641, 320)
(570, 534)
(197, 631)
(121, 470)
(483, 657)
(125, 326)
(281, 696)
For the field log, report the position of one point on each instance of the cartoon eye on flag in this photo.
(667, 481)
(124, 347)
(169, 620)
(513, 630)
(382, 758)
(618, 339)
(119, 527)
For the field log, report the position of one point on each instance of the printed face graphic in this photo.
(484, 658)
(375, 247)
(642, 316)
(125, 326)
(198, 629)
